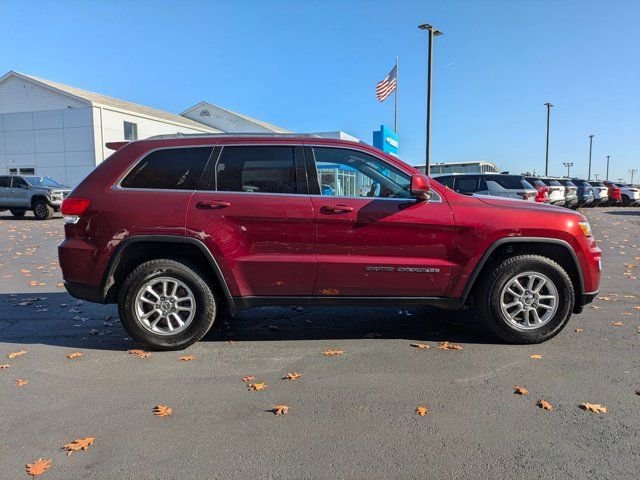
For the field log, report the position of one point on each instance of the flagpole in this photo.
(395, 96)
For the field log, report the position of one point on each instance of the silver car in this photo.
(498, 185)
(42, 195)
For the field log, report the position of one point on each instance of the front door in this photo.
(19, 195)
(254, 214)
(373, 237)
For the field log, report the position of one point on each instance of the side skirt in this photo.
(447, 303)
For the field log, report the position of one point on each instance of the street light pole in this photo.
(432, 32)
(568, 165)
(633, 171)
(596, 175)
(546, 165)
(607, 176)
(590, 149)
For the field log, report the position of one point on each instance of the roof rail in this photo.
(223, 135)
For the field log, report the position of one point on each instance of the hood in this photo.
(521, 204)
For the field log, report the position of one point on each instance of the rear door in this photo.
(254, 214)
(5, 183)
(373, 238)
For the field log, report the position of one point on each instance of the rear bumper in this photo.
(584, 299)
(82, 291)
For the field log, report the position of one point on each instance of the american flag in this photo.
(387, 85)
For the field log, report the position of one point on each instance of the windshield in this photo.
(43, 182)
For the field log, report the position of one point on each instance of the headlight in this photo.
(586, 228)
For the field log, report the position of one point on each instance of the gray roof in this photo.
(117, 103)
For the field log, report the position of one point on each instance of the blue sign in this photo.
(386, 140)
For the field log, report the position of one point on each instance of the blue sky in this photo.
(313, 65)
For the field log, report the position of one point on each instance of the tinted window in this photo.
(446, 181)
(256, 169)
(466, 184)
(4, 181)
(169, 169)
(567, 183)
(552, 183)
(535, 181)
(510, 182)
(350, 173)
(130, 131)
(597, 184)
(19, 183)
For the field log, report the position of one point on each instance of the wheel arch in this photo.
(552, 248)
(38, 197)
(140, 248)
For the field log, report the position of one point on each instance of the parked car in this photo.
(244, 224)
(541, 187)
(615, 193)
(498, 185)
(600, 193)
(629, 194)
(585, 193)
(555, 189)
(570, 193)
(42, 195)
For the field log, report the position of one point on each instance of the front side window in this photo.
(130, 131)
(350, 173)
(169, 169)
(19, 183)
(256, 169)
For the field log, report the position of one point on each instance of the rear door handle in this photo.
(337, 208)
(212, 205)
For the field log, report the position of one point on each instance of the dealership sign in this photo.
(386, 140)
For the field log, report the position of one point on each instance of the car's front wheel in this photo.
(525, 299)
(166, 304)
(42, 210)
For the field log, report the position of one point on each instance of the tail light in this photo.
(72, 208)
(543, 195)
(616, 194)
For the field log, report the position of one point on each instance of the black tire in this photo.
(42, 210)
(626, 201)
(205, 302)
(18, 213)
(488, 302)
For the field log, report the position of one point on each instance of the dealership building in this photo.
(51, 129)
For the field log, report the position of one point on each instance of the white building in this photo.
(51, 129)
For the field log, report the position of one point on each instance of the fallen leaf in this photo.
(330, 353)
(21, 383)
(595, 307)
(593, 407)
(521, 391)
(73, 355)
(421, 346)
(187, 358)
(16, 354)
(79, 444)
(4, 366)
(59, 284)
(579, 330)
(617, 324)
(449, 346)
(292, 376)
(636, 308)
(545, 405)
(257, 386)
(247, 378)
(162, 410)
(139, 353)
(535, 356)
(38, 467)
(280, 409)
(422, 411)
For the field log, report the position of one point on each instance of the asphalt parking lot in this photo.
(351, 415)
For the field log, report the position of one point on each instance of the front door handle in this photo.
(212, 205)
(337, 208)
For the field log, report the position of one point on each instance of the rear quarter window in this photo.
(4, 182)
(169, 169)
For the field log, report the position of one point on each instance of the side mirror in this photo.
(420, 186)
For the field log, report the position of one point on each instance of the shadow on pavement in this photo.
(59, 320)
(624, 212)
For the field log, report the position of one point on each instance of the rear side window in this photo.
(169, 169)
(551, 183)
(256, 169)
(510, 182)
(466, 185)
(4, 182)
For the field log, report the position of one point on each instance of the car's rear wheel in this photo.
(525, 299)
(166, 304)
(42, 210)
(18, 213)
(626, 201)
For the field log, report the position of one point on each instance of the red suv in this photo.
(179, 229)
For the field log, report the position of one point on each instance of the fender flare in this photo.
(107, 280)
(481, 263)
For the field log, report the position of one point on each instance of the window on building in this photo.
(350, 173)
(259, 169)
(169, 169)
(130, 131)
(22, 171)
